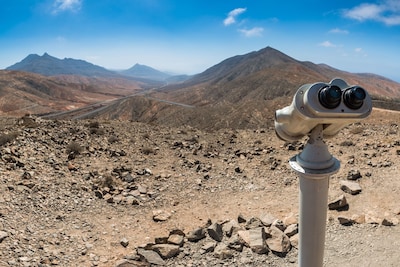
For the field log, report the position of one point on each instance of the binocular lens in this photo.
(354, 97)
(330, 96)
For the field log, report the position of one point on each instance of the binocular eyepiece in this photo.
(330, 96)
(333, 105)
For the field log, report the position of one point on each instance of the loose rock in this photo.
(350, 187)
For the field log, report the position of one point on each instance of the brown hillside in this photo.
(23, 92)
(240, 92)
(267, 74)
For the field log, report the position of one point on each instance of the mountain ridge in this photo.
(239, 92)
(145, 72)
(50, 66)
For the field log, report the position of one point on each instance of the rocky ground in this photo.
(116, 193)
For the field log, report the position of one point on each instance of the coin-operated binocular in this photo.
(318, 110)
(333, 105)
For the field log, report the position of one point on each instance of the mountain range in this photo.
(48, 65)
(240, 92)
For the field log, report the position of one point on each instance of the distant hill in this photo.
(240, 92)
(150, 75)
(266, 74)
(145, 72)
(49, 66)
(26, 92)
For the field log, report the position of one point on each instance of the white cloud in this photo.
(231, 18)
(360, 52)
(64, 5)
(253, 32)
(339, 31)
(387, 12)
(327, 44)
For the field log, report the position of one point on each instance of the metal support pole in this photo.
(314, 165)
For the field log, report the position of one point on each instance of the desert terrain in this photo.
(99, 192)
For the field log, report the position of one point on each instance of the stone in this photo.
(142, 189)
(279, 224)
(244, 237)
(128, 178)
(291, 218)
(358, 218)
(371, 219)
(124, 242)
(294, 240)
(166, 251)
(176, 240)
(267, 219)
(161, 240)
(350, 187)
(222, 252)
(235, 243)
(241, 219)
(109, 198)
(196, 235)
(176, 231)
(128, 263)
(131, 200)
(230, 228)
(151, 256)
(338, 203)
(278, 242)
(291, 230)
(3, 235)
(345, 220)
(390, 221)
(215, 231)
(253, 222)
(208, 247)
(161, 215)
(257, 240)
(353, 175)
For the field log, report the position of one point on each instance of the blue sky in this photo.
(188, 36)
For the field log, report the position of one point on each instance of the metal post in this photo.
(314, 165)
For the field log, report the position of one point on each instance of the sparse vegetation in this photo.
(6, 138)
(148, 151)
(94, 128)
(357, 130)
(347, 143)
(74, 148)
(107, 181)
(94, 124)
(28, 121)
(97, 131)
(113, 139)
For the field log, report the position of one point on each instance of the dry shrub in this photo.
(347, 143)
(113, 139)
(74, 148)
(94, 124)
(94, 128)
(28, 121)
(148, 150)
(98, 131)
(6, 138)
(107, 181)
(357, 130)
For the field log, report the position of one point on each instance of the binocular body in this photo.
(334, 105)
